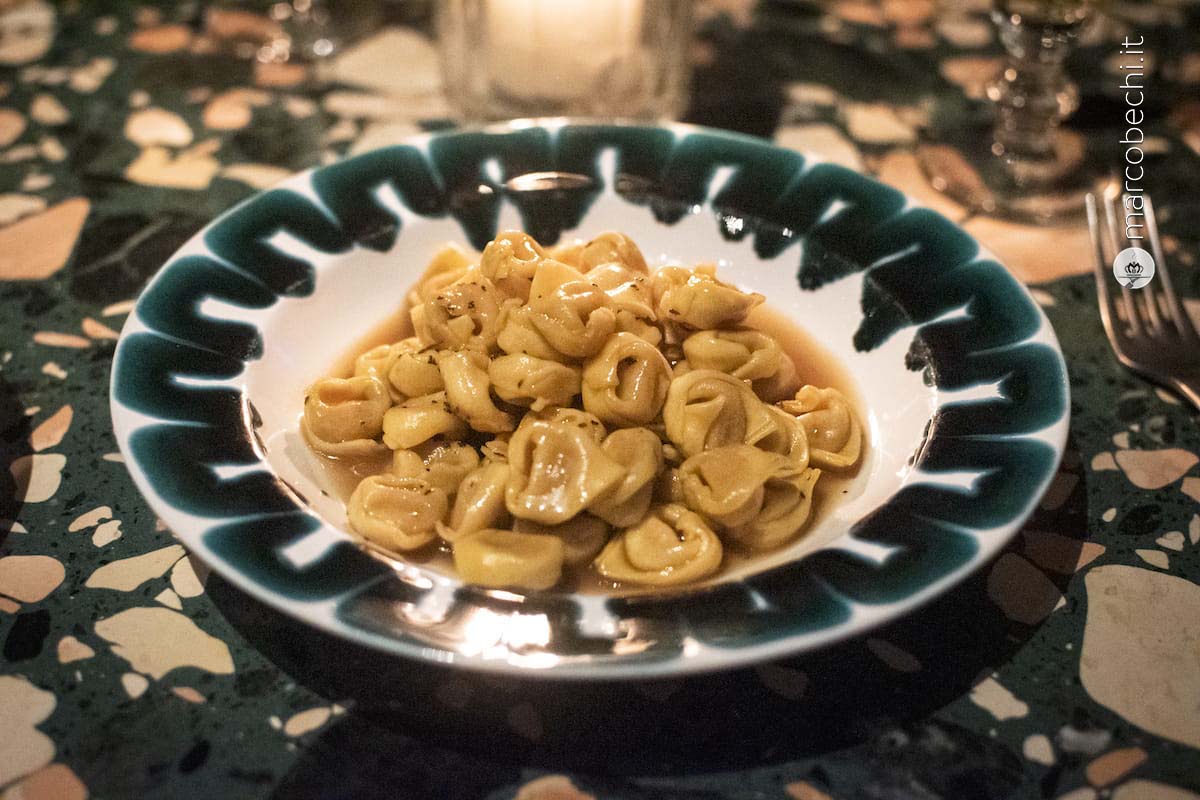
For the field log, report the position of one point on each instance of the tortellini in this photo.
(706, 409)
(464, 312)
(345, 416)
(519, 336)
(583, 536)
(725, 484)
(535, 382)
(670, 546)
(444, 466)
(557, 470)
(625, 383)
(468, 391)
(510, 262)
(415, 374)
(479, 502)
(507, 559)
(694, 298)
(747, 354)
(575, 317)
(377, 363)
(641, 453)
(566, 410)
(834, 435)
(418, 420)
(786, 437)
(786, 504)
(627, 290)
(396, 513)
(612, 248)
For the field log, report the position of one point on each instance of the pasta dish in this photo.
(561, 411)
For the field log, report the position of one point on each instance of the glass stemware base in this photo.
(1031, 169)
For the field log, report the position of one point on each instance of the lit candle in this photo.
(559, 50)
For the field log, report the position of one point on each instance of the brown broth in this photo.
(814, 365)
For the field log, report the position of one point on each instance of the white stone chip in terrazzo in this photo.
(37, 476)
(1154, 469)
(1037, 748)
(157, 640)
(23, 748)
(1148, 684)
(134, 684)
(46, 109)
(1172, 540)
(1155, 558)
(997, 700)
(127, 574)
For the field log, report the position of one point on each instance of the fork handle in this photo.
(1189, 387)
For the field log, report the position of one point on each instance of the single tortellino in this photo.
(557, 470)
(510, 261)
(641, 453)
(519, 336)
(448, 265)
(786, 437)
(527, 380)
(725, 484)
(414, 374)
(395, 512)
(419, 419)
(509, 560)
(747, 354)
(345, 416)
(582, 536)
(695, 299)
(833, 430)
(668, 547)
(787, 503)
(443, 465)
(625, 384)
(575, 317)
(612, 248)
(463, 313)
(479, 502)
(468, 388)
(706, 409)
(628, 290)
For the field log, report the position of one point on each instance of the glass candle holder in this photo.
(535, 58)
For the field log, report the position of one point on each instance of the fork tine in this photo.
(1108, 311)
(1149, 300)
(1179, 315)
(1131, 311)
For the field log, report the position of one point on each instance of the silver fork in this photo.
(1148, 328)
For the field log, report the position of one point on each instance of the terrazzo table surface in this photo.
(1068, 668)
